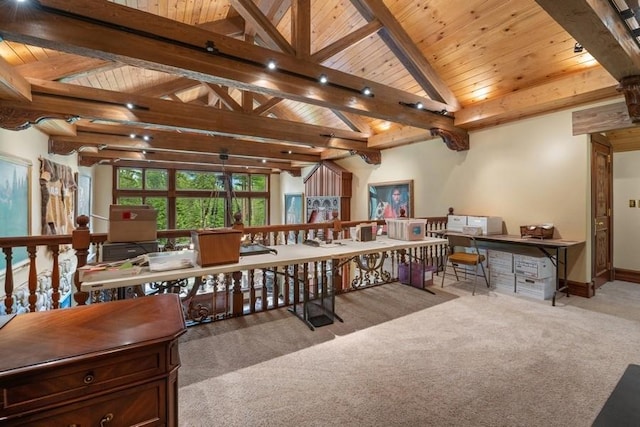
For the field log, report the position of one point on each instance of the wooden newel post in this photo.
(237, 299)
(80, 241)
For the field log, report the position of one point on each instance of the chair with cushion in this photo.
(462, 250)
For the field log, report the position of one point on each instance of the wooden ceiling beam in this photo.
(601, 119)
(397, 39)
(596, 25)
(161, 156)
(85, 159)
(12, 84)
(262, 25)
(301, 27)
(128, 36)
(196, 143)
(223, 93)
(99, 104)
(347, 41)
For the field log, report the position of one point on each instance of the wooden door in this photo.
(601, 201)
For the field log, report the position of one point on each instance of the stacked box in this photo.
(533, 267)
(500, 261)
(535, 288)
(502, 282)
(456, 222)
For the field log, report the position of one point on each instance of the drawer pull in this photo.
(106, 419)
(88, 379)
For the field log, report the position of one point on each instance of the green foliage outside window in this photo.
(129, 178)
(201, 197)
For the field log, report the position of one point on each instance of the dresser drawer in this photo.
(27, 393)
(140, 406)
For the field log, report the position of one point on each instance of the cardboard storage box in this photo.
(416, 274)
(216, 246)
(132, 223)
(488, 224)
(456, 222)
(535, 288)
(534, 267)
(406, 229)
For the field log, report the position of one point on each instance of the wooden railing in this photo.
(248, 290)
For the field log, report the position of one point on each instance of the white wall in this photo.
(526, 172)
(626, 220)
(30, 145)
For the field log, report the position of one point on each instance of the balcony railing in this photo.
(55, 284)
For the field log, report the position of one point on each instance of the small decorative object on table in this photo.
(542, 231)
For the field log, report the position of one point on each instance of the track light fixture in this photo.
(271, 64)
(578, 48)
(417, 105)
(366, 91)
(209, 46)
(323, 78)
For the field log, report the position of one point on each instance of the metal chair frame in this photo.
(462, 257)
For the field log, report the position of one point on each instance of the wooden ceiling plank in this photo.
(599, 28)
(535, 100)
(63, 66)
(264, 28)
(354, 122)
(405, 49)
(43, 28)
(12, 84)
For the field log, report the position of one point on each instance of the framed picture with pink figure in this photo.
(391, 199)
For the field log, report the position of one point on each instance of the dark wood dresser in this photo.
(109, 364)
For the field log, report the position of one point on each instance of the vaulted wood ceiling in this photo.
(195, 73)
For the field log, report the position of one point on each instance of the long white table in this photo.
(340, 251)
(286, 255)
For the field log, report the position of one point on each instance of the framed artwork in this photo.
(83, 196)
(15, 203)
(386, 199)
(294, 208)
(321, 208)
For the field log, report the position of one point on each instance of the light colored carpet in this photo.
(485, 360)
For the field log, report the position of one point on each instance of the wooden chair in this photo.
(463, 251)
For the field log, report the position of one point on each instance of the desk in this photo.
(286, 255)
(548, 247)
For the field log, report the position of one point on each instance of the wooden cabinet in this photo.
(109, 364)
